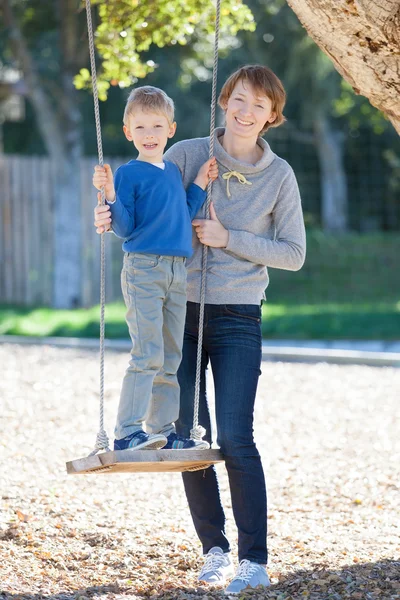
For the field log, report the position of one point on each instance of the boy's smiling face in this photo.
(247, 111)
(149, 131)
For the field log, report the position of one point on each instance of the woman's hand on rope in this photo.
(207, 172)
(103, 178)
(210, 231)
(102, 216)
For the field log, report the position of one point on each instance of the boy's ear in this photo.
(127, 133)
(272, 117)
(172, 130)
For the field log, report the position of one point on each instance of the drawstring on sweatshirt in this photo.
(241, 178)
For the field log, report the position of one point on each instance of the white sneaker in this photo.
(249, 575)
(217, 567)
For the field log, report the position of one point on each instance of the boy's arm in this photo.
(123, 208)
(288, 249)
(195, 197)
(207, 172)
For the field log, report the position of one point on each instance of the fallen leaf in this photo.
(23, 517)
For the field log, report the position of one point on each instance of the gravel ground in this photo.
(329, 437)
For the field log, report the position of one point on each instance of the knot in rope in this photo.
(197, 433)
(101, 442)
(240, 177)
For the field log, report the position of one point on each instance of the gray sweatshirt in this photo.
(260, 206)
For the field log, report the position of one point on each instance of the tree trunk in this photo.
(67, 236)
(67, 205)
(60, 129)
(362, 38)
(334, 201)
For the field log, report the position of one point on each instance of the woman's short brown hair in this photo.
(264, 82)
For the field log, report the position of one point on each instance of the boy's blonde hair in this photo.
(264, 82)
(149, 99)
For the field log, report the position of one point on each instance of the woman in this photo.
(256, 222)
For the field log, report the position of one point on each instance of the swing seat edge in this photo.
(144, 461)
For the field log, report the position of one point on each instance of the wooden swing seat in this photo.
(145, 461)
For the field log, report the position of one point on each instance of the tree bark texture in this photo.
(362, 38)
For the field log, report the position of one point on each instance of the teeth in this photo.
(243, 122)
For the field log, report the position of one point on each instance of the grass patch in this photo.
(349, 288)
(332, 321)
(42, 322)
(302, 321)
(343, 269)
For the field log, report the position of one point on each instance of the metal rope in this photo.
(102, 442)
(198, 431)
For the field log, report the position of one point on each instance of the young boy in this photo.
(152, 213)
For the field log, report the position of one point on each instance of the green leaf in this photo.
(129, 28)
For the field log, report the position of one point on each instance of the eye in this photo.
(241, 99)
(259, 106)
(159, 126)
(139, 127)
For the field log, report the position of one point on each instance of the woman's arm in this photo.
(288, 248)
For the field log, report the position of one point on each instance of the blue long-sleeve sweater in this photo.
(152, 211)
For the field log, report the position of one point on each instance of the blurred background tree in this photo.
(48, 44)
(327, 122)
(345, 152)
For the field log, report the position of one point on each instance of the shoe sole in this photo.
(204, 447)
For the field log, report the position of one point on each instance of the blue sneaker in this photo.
(140, 440)
(177, 442)
(250, 575)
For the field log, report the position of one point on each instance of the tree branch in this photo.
(362, 39)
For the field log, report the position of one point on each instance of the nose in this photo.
(246, 110)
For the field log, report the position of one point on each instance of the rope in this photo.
(102, 442)
(198, 431)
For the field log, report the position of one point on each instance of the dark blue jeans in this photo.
(232, 344)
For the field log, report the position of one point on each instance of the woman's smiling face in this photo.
(247, 112)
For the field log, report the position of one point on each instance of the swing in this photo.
(143, 461)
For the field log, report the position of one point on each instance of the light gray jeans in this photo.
(154, 290)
